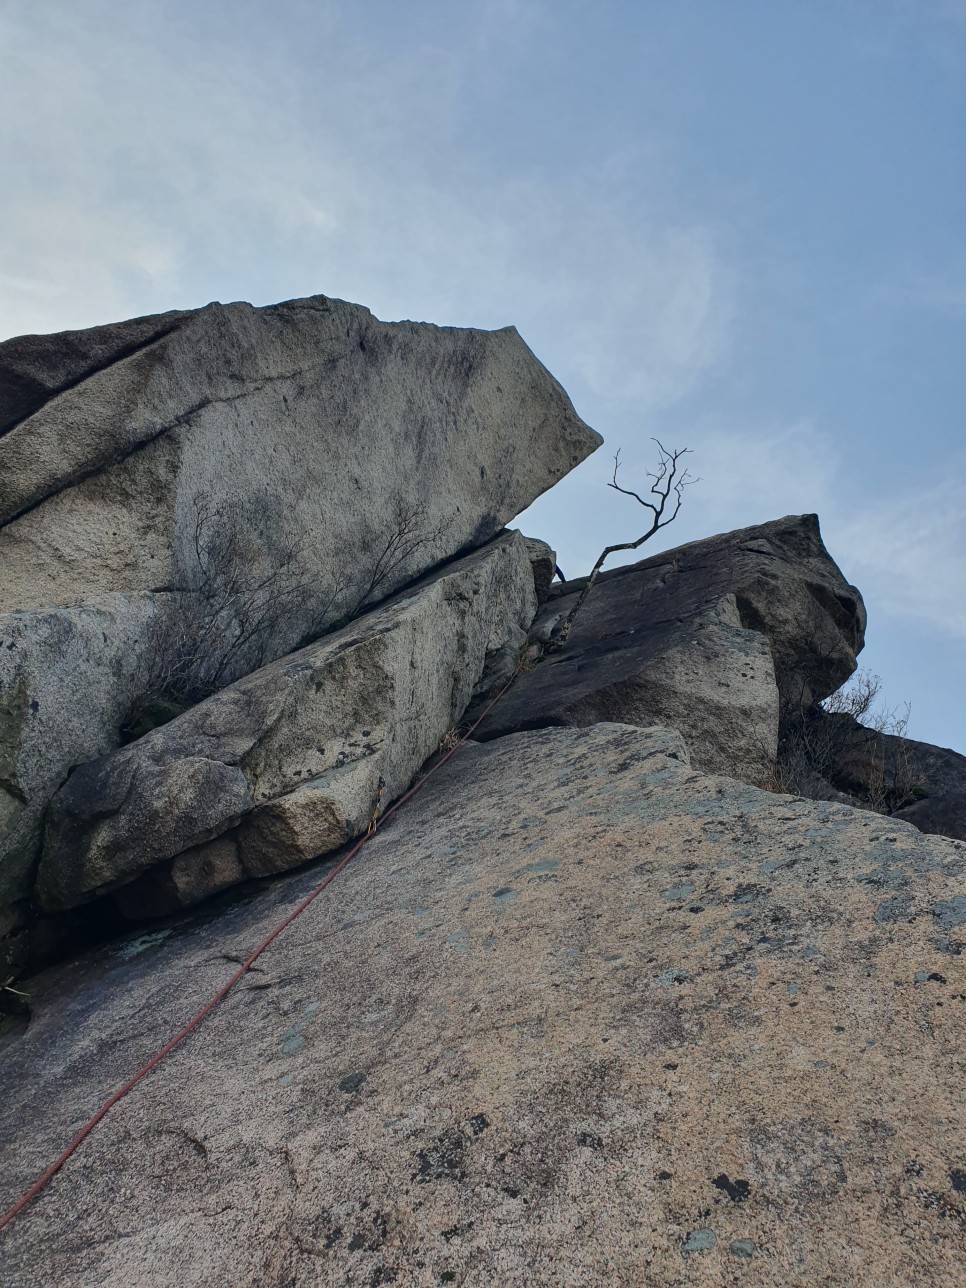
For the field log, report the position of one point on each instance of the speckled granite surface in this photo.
(578, 1016)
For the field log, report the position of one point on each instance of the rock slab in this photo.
(579, 1015)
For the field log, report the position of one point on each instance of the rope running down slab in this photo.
(50, 1172)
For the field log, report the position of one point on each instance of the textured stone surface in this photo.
(292, 754)
(35, 368)
(544, 562)
(195, 874)
(65, 685)
(578, 1015)
(307, 423)
(697, 638)
(171, 466)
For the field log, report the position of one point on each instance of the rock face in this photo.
(578, 1014)
(711, 638)
(286, 764)
(66, 678)
(246, 476)
(306, 428)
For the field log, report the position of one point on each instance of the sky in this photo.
(738, 228)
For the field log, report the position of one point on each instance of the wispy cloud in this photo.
(908, 553)
(160, 167)
(904, 547)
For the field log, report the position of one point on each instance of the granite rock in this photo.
(307, 428)
(66, 676)
(713, 638)
(577, 1014)
(290, 757)
(832, 755)
(211, 472)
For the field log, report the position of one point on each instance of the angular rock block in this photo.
(710, 638)
(307, 427)
(288, 759)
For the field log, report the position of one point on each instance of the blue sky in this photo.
(739, 227)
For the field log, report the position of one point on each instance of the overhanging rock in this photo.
(302, 431)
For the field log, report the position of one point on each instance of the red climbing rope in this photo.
(47, 1175)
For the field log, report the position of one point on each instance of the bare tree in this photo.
(668, 480)
(857, 699)
(873, 739)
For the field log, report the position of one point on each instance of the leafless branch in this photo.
(238, 604)
(407, 532)
(669, 478)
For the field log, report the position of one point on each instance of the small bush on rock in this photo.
(850, 744)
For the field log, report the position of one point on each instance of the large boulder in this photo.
(241, 479)
(715, 638)
(320, 444)
(287, 763)
(578, 1014)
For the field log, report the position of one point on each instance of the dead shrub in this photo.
(241, 608)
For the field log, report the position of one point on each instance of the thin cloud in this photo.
(172, 167)
(908, 553)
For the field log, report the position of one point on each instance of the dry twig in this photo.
(666, 481)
